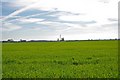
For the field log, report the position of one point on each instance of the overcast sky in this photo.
(47, 19)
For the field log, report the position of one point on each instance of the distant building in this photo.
(60, 38)
(22, 40)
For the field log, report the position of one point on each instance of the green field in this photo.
(83, 59)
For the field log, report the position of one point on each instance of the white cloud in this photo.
(76, 18)
(36, 28)
(105, 1)
(61, 27)
(112, 19)
(29, 20)
(92, 8)
(10, 27)
(20, 11)
(28, 17)
(54, 25)
(25, 2)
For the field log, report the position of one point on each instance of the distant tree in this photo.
(22, 40)
(62, 39)
(115, 38)
(10, 40)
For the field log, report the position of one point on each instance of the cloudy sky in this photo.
(47, 19)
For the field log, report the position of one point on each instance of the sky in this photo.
(47, 19)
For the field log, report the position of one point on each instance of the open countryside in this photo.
(79, 59)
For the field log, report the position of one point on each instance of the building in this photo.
(60, 38)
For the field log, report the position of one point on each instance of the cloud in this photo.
(70, 17)
(64, 13)
(61, 27)
(113, 25)
(81, 6)
(25, 2)
(20, 11)
(54, 25)
(36, 28)
(76, 18)
(10, 27)
(30, 20)
(29, 16)
(112, 19)
(104, 1)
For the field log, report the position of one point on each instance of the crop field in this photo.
(83, 59)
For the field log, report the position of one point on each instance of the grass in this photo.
(85, 59)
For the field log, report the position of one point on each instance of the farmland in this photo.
(83, 59)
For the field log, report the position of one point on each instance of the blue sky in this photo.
(47, 19)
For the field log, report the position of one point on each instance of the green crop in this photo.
(83, 59)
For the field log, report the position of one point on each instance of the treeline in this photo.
(21, 40)
(11, 40)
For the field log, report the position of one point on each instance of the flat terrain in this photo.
(83, 59)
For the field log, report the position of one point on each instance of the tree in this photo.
(62, 39)
(10, 40)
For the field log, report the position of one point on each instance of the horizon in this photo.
(73, 19)
(64, 40)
